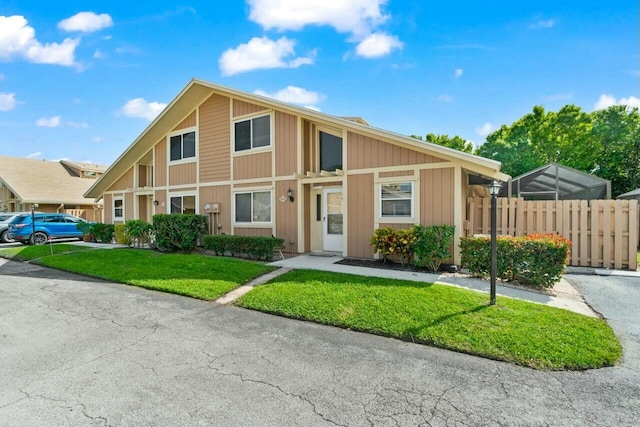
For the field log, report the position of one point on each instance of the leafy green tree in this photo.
(454, 142)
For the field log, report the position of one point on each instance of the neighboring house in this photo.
(258, 166)
(53, 186)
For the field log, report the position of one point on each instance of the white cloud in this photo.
(7, 101)
(97, 139)
(17, 39)
(78, 125)
(293, 95)
(139, 107)
(48, 122)
(458, 73)
(34, 155)
(86, 22)
(378, 44)
(549, 23)
(98, 54)
(445, 98)
(485, 129)
(606, 101)
(261, 53)
(359, 17)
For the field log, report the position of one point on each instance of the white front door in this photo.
(333, 224)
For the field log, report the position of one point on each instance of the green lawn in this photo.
(191, 275)
(515, 331)
(28, 252)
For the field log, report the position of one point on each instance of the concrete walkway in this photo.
(566, 296)
(238, 292)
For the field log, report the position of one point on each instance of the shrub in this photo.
(389, 241)
(534, 260)
(179, 232)
(138, 231)
(258, 247)
(122, 238)
(432, 245)
(102, 233)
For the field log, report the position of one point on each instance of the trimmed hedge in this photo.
(258, 247)
(536, 260)
(179, 232)
(102, 233)
(138, 231)
(122, 238)
(432, 245)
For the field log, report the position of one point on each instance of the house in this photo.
(258, 166)
(54, 186)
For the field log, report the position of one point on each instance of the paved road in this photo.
(80, 352)
(617, 299)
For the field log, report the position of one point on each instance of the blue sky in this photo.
(81, 80)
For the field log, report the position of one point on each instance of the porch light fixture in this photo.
(290, 195)
(155, 203)
(494, 189)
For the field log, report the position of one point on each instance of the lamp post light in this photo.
(494, 189)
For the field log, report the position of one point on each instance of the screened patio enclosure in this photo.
(557, 182)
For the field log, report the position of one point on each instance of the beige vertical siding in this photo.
(436, 198)
(252, 166)
(128, 206)
(142, 208)
(251, 184)
(365, 152)
(239, 231)
(287, 214)
(397, 173)
(307, 217)
(160, 166)
(465, 190)
(183, 174)
(125, 181)
(285, 144)
(221, 195)
(214, 140)
(189, 122)
(108, 209)
(306, 146)
(360, 193)
(142, 176)
(161, 198)
(240, 108)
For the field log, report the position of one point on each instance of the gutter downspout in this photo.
(60, 208)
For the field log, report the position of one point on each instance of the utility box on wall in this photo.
(212, 208)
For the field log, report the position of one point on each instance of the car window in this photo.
(5, 217)
(72, 219)
(19, 219)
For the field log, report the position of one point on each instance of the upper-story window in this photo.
(253, 133)
(330, 152)
(118, 208)
(182, 146)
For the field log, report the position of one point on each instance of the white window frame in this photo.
(181, 133)
(113, 206)
(252, 222)
(412, 199)
(332, 132)
(250, 119)
(182, 196)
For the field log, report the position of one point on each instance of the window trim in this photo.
(182, 196)
(411, 215)
(182, 132)
(252, 222)
(251, 117)
(113, 209)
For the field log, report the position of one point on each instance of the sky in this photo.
(81, 80)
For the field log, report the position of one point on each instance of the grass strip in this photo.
(27, 253)
(515, 331)
(191, 275)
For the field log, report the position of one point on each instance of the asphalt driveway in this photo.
(74, 351)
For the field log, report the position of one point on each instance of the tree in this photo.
(605, 143)
(456, 142)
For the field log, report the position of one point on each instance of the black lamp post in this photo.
(494, 189)
(33, 224)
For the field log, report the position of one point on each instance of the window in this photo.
(118, 209)
(182, 146)
(253, 133)
(396, 200)
(330, 152)
(183, 205)
(253, 207)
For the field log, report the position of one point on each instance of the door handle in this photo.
(324, 219)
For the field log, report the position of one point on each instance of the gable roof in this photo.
(197, 91)
(46, 182)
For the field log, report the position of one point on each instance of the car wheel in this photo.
(4, 238)
(40, 238)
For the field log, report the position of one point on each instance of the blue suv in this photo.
(47, 226)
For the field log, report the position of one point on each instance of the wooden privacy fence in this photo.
(603, 233)
(94, 215)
